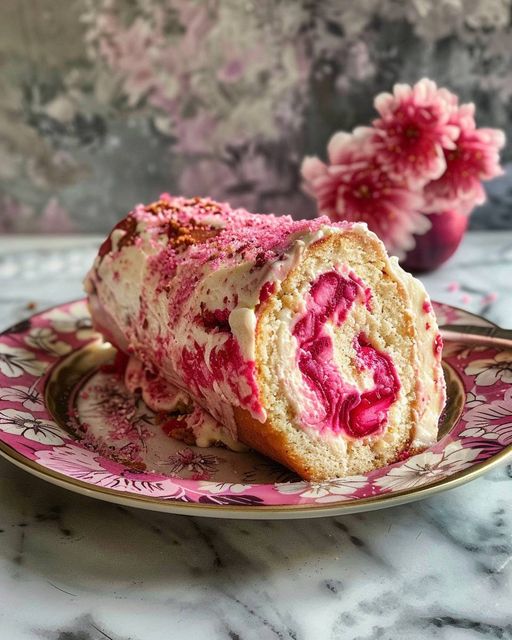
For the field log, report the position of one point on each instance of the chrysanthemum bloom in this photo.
(356, 187)
(413, 129)
(423, 156)
(475, 157)
(344, 149)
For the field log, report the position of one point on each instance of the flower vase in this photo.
(439, 243)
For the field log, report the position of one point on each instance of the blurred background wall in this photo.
(106, 103)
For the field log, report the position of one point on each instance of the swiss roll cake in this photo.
(301, 339)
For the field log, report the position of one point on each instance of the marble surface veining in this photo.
(73, 568)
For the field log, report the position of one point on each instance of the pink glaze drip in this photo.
(266, 291)
(342, 407)
(119, 364)
(225, 365)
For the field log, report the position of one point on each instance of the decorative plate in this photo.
(66, 417)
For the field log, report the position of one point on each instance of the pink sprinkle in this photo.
(427, 307)
(490, 297)
(453, 286)
(438, 346)
(465, 299)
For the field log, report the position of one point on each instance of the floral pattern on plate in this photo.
(127, 460)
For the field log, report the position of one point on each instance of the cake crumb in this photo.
(490, 297)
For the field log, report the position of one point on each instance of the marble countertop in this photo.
(72, 568)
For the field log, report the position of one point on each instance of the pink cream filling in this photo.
(341, 408)
(225, 365)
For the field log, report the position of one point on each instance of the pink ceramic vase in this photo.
(439, 243)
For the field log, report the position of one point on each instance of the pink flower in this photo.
(200, 465)
(475, 157)
(491, 371)
(356, 187)
(492, 420)
(428, 467)
(77, 462)
(413, 130)
(423, 156)
(353, 150)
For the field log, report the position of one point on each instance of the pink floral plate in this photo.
(66, 417)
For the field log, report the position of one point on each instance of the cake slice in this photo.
(300, 339)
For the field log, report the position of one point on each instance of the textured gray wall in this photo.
(104, 104)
